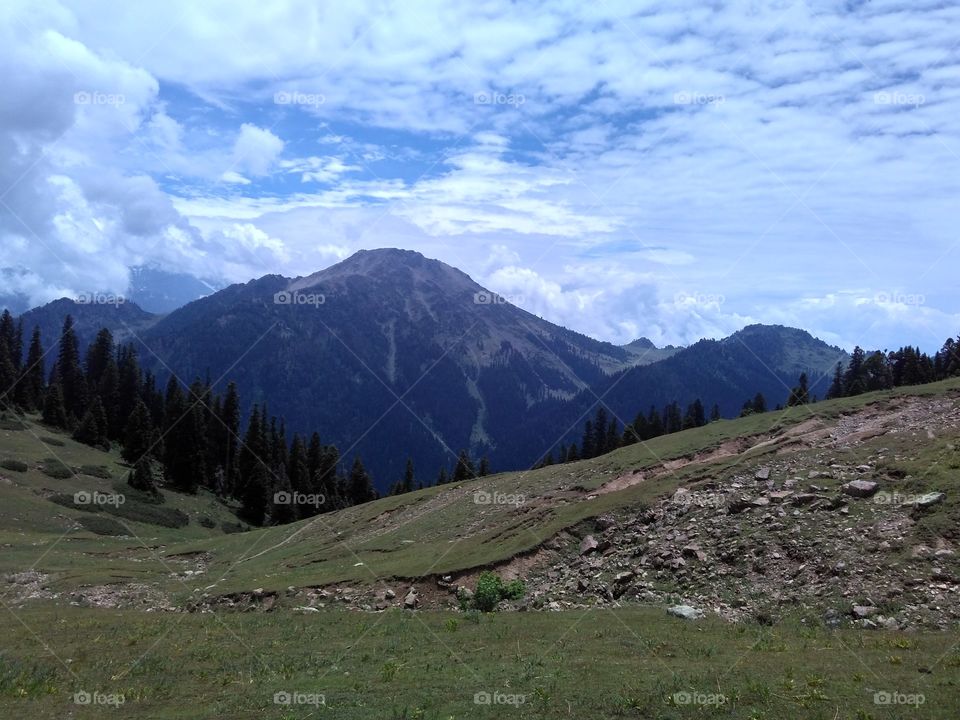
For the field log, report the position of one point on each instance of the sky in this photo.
(674, 170)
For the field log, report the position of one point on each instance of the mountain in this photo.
(160, 291)
(760, 358)
(389, 354)
(126, 320)
(385, 354)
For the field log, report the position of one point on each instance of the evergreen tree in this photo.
(672, 420)
(695, 415)
(442, 478)
(715, 413)
(654, 424)
(484, 467)
(93, 426)
(360, 488)
(613, 436)
(600, 431)
(69, 373)
(759, 404)
(573, 455)
(853, 380)
(141, 477)
(464, 469)
(800, 394)
(836, 387)
(299, 473)
(229, 417)
(408, 481)
(253, 494)
(138, 434)
(587, 448)
(54, 411)
(32, 385)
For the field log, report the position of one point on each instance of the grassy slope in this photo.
(433, 531)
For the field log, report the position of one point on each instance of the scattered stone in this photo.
(389, 594)
(862, 612)
(412, 600)
(928, 500)
(763, 473)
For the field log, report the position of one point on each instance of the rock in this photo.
(860, 488)
(763, 473)
(779, 496)
(605, 522)
(686, 612)
(588, 545)
(928, 500)
(694, 551)
(623, 577)
(412, 599)
(738, 505)
(389, 594)
(862, 612)
(306, 609)
(864, 468)
(805, 498)
(464, 593)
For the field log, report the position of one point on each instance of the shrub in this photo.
(56, 469)
(102, 525)
(230, 528)
(97, 471)
(14, 465)
(150, 514)
(207, 522)
(55, 442)
(491, 590)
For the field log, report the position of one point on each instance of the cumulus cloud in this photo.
(675, 170)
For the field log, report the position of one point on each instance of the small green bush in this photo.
(52, 467)
(229, 528)
(491, 590)
(55, 442)
(102, 525)
(208, 522)
(14, 465)
(150, 514)
(97, 471)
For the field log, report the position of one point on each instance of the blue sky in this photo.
(669, 169)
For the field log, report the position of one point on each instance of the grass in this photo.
(635, 663)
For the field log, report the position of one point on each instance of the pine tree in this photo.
(299, 473)
(253, 495)
(406, 485)
(600, 431)
(54, 412)
(230, 433)
(141, 477)
(138, 434)
(69, 373)
(836, 387)
(612, 441)
(442, 478)
(464, 469)
(484, 469)
(31, 388)
(587, 448)
(759, 404)
(853, 380)
(360, 488)
(654, 423)
(93, 426)
(715, 413)
(800, 394)
(573, 455)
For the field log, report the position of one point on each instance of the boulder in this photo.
(588, 545)
(763, 473)
(686, 612)
(412, 600)
(928, 500)
(860, 488)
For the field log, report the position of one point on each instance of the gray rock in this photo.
(389, 594)
(928, 500)
(763, 473)
(862, 612)
(860, 488)
(686, 612)
(412, 599)
(588, 545)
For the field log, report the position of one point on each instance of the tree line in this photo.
(864, 373)
(181, 437)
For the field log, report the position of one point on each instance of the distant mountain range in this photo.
(389, 354)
